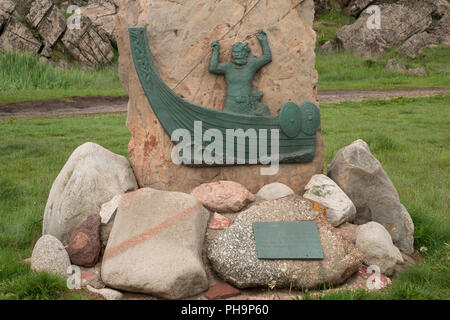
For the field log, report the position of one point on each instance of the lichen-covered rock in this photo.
(399, 21)
(234, 257)
(376, 246)
(89, 45)
(49, 255)
(360, 175)
(84, 244)
(180, 35)
(155, 245)
(16, 36)
(395, 65)
(326, 192)
(91, 176)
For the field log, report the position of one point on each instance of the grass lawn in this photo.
(410, 137)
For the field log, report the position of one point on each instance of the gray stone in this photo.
(16, 36)
(274, 190)
(326, 192)
(103, 14)
(395, 65)
(360, 175)
(399, 21)
(375, 243)
(435, 35)
(107, 293)
(34, 10)
(155, 245)
(6, 9)
(91, 176)
(107, 213)
(418, 72)
(354, 7)
(234, 257)
(49, 255)
(52, 26)
(330, 45)
(89, 45)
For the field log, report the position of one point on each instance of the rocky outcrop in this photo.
(90, 45)
(16, 36)
(360, 175)
(155, 245)
(435, 35)
(233, 253)
(44, 29)
(91, 176)
(103, 14)
(180, 35)
(6, 9)
(399, 21)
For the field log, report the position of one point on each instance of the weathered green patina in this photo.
(239, 73)
(287, 240)
(295, 126)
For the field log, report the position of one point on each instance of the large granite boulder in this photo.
(399, 21)
(16, 36)
(91, 176)
(360, 175)
(375, 243)
(50, 256)
(326, 192)
(234, 257)
(156, 243)
(180, 35)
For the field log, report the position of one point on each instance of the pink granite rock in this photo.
(219, 222)
(223, 196)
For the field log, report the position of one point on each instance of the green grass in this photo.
(24, 77)
(342, 70)
(327, 25)
(410, 137)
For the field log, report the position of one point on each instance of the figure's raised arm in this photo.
(214, 65)
(267, 54)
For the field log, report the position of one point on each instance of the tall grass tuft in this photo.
(25, 71)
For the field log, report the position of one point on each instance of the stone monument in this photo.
(180, 36)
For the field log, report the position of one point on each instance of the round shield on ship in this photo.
(309, 118)
(290, 119)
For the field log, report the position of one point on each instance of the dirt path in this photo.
(96, 105)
